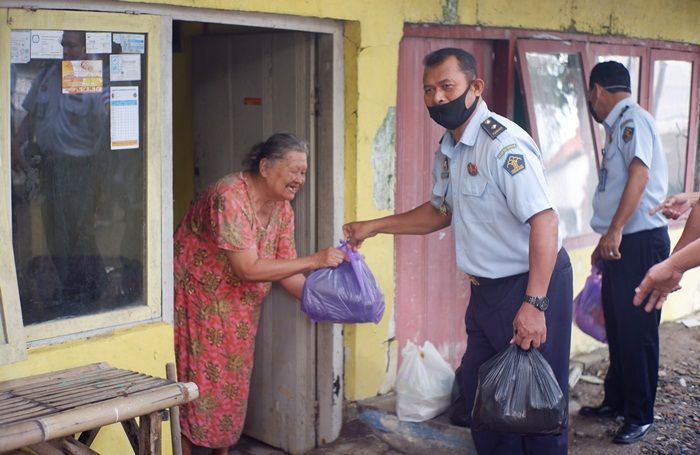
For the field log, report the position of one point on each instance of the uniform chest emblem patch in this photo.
(472, 169)
(627, 134)
(514, 163)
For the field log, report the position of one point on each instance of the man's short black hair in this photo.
(612, 76)
(467, 62)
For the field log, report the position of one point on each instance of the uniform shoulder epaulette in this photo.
(492, 127)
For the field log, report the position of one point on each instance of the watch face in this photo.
(541, 303)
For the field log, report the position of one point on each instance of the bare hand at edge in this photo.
(356, 232)
(661, 280)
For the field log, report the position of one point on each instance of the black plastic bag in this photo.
(458, 412)
(518, 393)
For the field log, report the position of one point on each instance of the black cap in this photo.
(612, 76)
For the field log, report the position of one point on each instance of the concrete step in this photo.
(436, 436)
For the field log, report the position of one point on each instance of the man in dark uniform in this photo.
(633, 179)
(489, 186)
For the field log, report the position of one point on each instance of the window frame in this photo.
(589, 53)
(569, 47)
(56, 330)
(506, 57)
(590, 60)
(527, 45)
(691, 146)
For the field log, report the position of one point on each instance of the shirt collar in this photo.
(472, 130)
(447, 143)
(617, 110)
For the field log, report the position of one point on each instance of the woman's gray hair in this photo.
(274, 149)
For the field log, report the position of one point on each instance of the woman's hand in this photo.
(356, 232)
(329, 257)
(675, 206)
(659, 282)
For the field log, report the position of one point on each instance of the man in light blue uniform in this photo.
(71, 133)
(489, 186)
(633, 180)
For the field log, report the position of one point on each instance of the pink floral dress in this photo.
(216, 314)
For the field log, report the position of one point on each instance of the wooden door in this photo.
(431, 293)
(247, 87)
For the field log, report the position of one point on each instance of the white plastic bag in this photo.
(424, 383)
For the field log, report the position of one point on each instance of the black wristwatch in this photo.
(541, 303)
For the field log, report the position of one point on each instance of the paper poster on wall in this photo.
(124, 117)
(47, 44)
(125, 67)
(98, 42)
(20, 46)
(81, 76)
(131, 43)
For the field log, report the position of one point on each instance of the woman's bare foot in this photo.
(220, 451)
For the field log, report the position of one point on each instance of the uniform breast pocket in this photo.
(76, 110)
(476, 201)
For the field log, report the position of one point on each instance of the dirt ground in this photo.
(676, 427)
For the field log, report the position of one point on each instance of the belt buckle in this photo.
(473, 280)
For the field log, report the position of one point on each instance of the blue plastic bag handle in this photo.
(355, 258)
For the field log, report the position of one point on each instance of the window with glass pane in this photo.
(559, 100)
(630, 62)
(671, 109)
(78, 172)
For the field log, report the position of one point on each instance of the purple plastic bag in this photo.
(348, 293)
(588, 307)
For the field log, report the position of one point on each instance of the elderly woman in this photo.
(236, 238)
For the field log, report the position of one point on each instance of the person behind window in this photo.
(489, 185)
(68, 132)
(633, 179)
(235, 239)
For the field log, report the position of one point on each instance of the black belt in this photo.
(481, 281)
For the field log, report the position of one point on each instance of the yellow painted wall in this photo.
(671, 20)
(373, 30)
(146, 349)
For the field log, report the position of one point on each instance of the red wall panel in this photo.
(431, 293)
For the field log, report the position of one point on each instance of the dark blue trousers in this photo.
(489, 322)
(633, 334)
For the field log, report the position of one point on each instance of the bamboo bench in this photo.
(45, 412)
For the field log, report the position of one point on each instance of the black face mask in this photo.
(451, 115)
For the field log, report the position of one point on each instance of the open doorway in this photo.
(233, 86)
